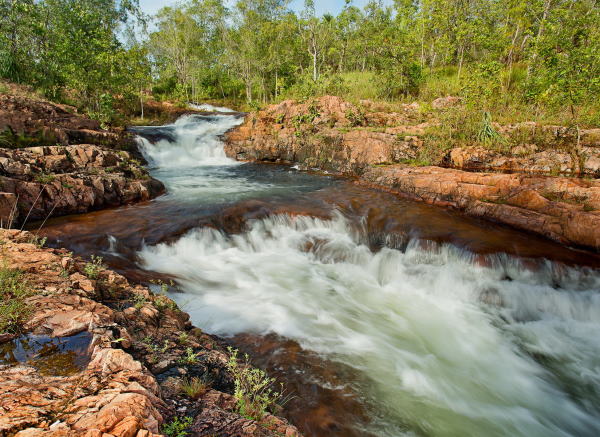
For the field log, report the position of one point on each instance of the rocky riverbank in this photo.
(85, 353)
(382, 146)
(56, 162)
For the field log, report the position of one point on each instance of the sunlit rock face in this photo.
(375, 143)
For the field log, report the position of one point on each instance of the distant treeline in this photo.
(542, 52)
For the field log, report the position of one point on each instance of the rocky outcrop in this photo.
(376, 141)
(332, 134)
(29, 122)
(100, 357)
(36, 182)
(563, 209)
(328, 133)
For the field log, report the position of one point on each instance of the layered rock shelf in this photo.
(54, 161)
(521, 184)
(38, 182)
(95, 356)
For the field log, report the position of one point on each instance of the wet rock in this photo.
(563, 209)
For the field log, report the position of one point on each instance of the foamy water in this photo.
(198, 143)
(445, 345)
(210, 108)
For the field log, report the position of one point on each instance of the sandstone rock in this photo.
(42, 122)
(110, 392)
(324, 134)
(565, 210)
(66, 180)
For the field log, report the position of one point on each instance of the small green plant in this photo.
(253, 388)
(178, 427)
(38, 241)
(138, 300)
(254, 105)
(487, 134)
(163, 303)
(44, 178)
(190, 358)
(164, 287)
(13, 291)
(183, 338)
(93, 268)
(280, 118)
(194, 387)
(356, 118)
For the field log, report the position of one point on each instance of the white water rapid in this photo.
(444, 345)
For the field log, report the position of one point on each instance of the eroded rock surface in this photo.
(30, 122)
(139, 351)
(38, 181)
(563, 209)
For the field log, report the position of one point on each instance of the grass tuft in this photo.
(194, 387)
(13, 292)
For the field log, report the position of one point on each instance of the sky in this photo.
(322, 6)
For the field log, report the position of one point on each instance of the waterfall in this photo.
(192, 141)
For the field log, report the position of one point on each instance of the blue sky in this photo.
(331, 6)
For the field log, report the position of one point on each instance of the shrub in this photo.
(138, 300)
(190, 357)
(487, 134)
(253, 388)
(44, 178)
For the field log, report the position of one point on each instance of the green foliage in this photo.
(542, 56)
(13, 291)
(71, 50)
(138, 300)
(38, 241)
(44, 178)
(93, 268)
(253, 388)
(104, 112)
(487, 134)
(400, 80)
(190, 358)
(178, 427)
(327, 84)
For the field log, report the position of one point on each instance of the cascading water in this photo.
(440, 341)
(445, 347)
(196, 144)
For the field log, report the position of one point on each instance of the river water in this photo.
(384, 317)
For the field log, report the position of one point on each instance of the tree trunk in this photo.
(142, 103)
(460, 62)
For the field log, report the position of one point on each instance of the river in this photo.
(383, 316)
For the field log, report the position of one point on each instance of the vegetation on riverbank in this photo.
(515, 59)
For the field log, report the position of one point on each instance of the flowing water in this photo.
(383, 316)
